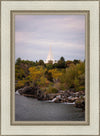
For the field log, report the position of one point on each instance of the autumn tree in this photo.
(69, 63)
(48, 75)
(36, 73)
(55, 74)
(74, 77)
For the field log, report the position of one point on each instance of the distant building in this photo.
(50, 58)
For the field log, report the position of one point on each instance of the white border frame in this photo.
(6, 7)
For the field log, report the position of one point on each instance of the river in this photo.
(29, 109)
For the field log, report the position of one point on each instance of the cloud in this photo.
(41, 22)
(35, 33)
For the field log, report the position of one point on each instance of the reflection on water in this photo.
(29, 109)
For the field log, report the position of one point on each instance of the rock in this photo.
(20, 91)
(58, 100)
(41, 95)
(51, 96)
(80, 103)
(60, 97)
(17, 92)
(28, 91)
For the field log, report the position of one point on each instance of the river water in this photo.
(29, 109)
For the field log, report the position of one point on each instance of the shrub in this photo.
(54, 90)
(51, 90)
(74, 77)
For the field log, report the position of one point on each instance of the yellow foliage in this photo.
(36, 73)
(55, 73)
(20, 83)
(43, 82)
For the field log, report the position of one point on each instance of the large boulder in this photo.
(28, 91)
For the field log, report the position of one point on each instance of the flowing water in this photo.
(29, 109)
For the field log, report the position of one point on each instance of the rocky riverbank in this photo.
(68, 96)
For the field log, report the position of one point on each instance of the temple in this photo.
(50, 57)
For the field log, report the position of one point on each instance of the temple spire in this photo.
(50, 56)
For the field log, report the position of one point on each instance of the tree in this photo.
(18, 61)
(36, 73)
(55, 74)
(55, 65)
(74, 77)
(61, 63)
(69, 63)
(43, 82)
(76, 61)
(41, 62)
(48, 75)
(62, 59)
(49, 66)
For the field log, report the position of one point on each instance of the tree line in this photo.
(50, 78)
(61, 63)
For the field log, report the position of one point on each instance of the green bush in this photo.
(51, 90)
(74, 77)
(54, 90)
(81, 88)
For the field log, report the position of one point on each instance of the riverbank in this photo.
(68, 96)
(31, 109)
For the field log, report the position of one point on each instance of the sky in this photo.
(34, 34)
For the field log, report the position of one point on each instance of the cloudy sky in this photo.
(34, 34)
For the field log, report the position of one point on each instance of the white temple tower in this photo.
(49, 57)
